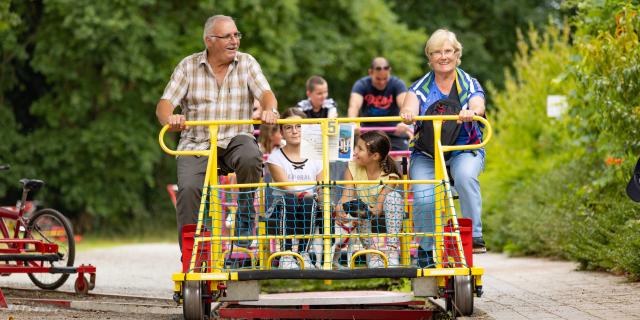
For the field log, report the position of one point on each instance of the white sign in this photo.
(340, 145)
(556, 106)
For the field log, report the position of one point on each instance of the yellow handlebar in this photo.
(166, 149)
(486, 138)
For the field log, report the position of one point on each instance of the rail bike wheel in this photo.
(460, 300)
(81, 286)
(196, 304)
(52, 227)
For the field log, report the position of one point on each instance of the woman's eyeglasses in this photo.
(289, 127)
(446, 53)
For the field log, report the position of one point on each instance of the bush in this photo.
(556, 187)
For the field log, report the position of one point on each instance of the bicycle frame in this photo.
(17, 216)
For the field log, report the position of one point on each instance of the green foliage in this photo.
(90, 136)
(339, 40)
(521, 121)
(556, 187)
(609, 123)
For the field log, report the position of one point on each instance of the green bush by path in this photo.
(556, 187)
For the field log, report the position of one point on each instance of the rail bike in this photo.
(210, 245)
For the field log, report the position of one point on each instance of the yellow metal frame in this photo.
(352, 263)
(329, 127)
(285, 253)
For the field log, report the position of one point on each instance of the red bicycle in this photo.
(40, 244)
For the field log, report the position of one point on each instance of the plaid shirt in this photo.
(193, 87)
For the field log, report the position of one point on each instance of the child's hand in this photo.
(378, 209)
(305, 195)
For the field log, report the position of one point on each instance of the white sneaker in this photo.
(375, 262)
(394, 258)
(307, 261)
(228, 222)
(289, 263)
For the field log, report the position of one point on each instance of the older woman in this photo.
(444, 52)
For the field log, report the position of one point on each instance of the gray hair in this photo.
(211, 22)
(439, 38)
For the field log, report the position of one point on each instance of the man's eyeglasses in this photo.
(380, 68)
(227, 37)
(290, 127)
(446, 53)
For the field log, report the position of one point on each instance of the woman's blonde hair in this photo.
(439, 38)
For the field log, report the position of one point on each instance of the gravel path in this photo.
(139, 270)
(515, 288)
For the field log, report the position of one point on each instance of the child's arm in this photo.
(280, 176)
(347, 194)
(319, 189)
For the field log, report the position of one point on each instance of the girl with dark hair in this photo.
(372, 162)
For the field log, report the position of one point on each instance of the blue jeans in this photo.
(465, 169)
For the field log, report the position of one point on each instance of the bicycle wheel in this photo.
(51, 226)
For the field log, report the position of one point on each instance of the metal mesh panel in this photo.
(269, 228)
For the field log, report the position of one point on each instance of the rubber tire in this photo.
(448, 301)
(463, 295)
(193, 305)
(71, 244)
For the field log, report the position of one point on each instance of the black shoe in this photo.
(425, 259)
(478, 245)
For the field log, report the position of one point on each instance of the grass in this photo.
(100, 240)
(279, 286)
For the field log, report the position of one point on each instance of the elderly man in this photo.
(380, 95)
(219, 83)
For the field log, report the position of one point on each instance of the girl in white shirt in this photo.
(287, 164)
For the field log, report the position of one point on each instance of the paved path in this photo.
(515, 288)
(532, 288)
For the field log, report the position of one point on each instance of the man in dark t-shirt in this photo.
(380, 95)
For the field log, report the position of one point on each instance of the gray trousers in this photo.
(241, 156)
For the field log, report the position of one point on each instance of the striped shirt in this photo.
(194, 88)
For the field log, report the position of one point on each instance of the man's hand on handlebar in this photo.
(176, 122)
